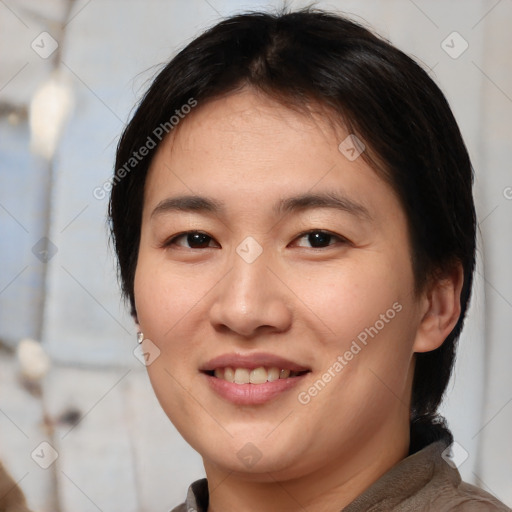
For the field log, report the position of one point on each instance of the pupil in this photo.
(319, 239)
(198, 239)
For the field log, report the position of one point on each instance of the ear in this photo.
(440, 309)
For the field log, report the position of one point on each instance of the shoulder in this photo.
(468, 498)
(452, 494)
(445, 490)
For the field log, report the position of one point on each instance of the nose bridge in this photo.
(250, 273)
(250, 297)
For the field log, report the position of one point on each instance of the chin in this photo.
(260, 461)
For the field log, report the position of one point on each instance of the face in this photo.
(274, 276)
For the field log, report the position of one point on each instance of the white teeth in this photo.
(242, 376)
(258, 375)
(229, 374)
(273, 374)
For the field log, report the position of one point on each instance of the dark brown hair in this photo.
(383, 96)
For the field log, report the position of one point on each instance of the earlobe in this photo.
(441, 310)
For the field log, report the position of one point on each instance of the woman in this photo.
(294, 223)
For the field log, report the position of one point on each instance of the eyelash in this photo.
(343, 240)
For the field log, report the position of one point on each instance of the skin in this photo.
(300, 302)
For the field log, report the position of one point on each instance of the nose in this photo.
(250, 300)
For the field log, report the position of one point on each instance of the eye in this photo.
(193, 239)
(319, 239)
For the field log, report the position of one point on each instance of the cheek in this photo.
(369, 309)
(164, 296)
(350, 298)
(164, 301)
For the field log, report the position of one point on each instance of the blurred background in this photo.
(80, 428)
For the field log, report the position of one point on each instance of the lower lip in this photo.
(252, 394)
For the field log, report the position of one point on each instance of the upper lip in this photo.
(251, 361)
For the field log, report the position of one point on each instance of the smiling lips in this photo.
(252, 379)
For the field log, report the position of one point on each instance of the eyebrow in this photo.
(302, 202)
(322, 200)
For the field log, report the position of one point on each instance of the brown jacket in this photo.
(422, 482)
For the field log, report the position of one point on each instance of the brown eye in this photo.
(192, 240)
(318, 239)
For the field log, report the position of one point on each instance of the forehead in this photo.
(250, 149)
(248, 118)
